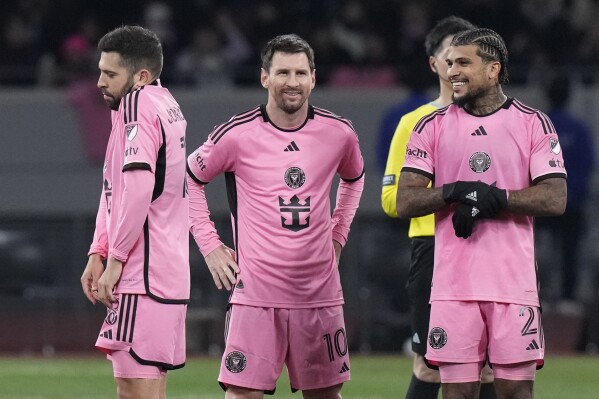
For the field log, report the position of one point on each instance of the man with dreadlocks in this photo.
(496, 164)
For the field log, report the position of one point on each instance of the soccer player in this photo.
(496, 164)
(142, 226)
(425, 381)
(279, 162)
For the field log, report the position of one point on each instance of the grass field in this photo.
(373, 377)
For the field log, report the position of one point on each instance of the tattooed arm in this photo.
(547, 198)
(414, 198)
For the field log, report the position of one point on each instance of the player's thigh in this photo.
(514, 389)
(318, 351)
(138, 388)
(333, 392)
(255, 347)
(423, 372)
(234, 392)
(468, 390)
(126, 367)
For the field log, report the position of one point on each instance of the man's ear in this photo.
(432, 63)
(494, 70)
(264, 78)
(142, 78)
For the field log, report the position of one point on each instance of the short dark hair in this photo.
(291, 43)
(451, 25)
(491, 47)
(138, 47)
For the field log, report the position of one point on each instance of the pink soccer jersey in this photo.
(148, 232)
(278, 184)
(514, 148)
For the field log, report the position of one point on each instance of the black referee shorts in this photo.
(420, 277)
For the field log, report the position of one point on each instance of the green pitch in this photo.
(373, 377)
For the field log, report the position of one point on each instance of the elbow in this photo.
(402, 211)
(560, 208)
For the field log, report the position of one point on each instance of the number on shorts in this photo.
(526, 330)
(338, 342)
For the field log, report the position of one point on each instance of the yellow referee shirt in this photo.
(420, 226)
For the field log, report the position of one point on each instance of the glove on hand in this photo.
(489, 200)
(463, 220)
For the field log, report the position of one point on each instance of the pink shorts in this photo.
(311, 342)
(124, 366)
(466, 332)
(151, 332)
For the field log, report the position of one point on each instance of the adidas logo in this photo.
(239, 285)
(533, 345)
(292, 147)
(475, 211)
(344, 368)
(416, 338)
(479, 132)
(106, 334)
(472, 196)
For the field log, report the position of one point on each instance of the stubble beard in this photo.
(115, 101)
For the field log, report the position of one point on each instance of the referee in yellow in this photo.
(425, 381)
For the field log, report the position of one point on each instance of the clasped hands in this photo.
(477, 200)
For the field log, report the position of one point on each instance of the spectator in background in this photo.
(576, 142)
(21, 52)
(214, 55)
(77, 73)
(158, 17)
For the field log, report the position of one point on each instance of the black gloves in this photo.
(489, 200)
(463, 220)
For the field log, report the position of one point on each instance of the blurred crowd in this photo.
(357, 43)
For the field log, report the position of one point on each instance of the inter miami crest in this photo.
(235, 362)
(437, 338)
(480, 162)
(295, 177)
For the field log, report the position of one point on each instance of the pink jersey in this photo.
(514, 147)
(143, 215)
(278, 185)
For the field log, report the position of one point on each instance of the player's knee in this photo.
(333, 392)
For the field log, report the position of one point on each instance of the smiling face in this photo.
(472, 78)
(289, 81)
(115, 80)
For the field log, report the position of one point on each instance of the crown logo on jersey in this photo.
(296, 208)
(292, 147)
(479, 132)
